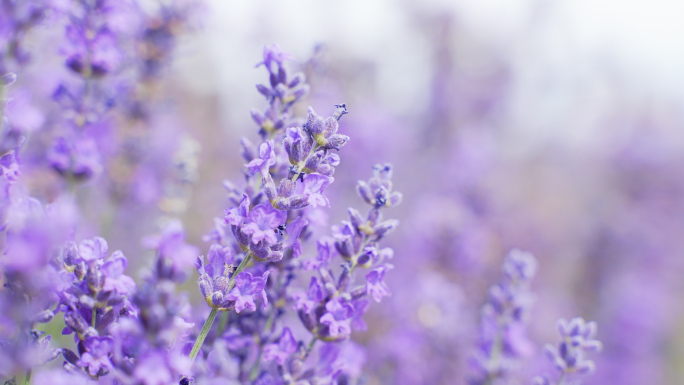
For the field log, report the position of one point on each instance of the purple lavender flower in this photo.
(313, 186)
(324, 131)
(170, 244)
(502, 337)
(294, 229)
(378, 190)
(262, 221)
(283, 349)
(265, 160)
(338, 319)
(214, 278)
(273, 54)
(79, 157)
(247, 289)
(114, 278)
(577, 338)
(96, 357)
(375, 285)
(308, 301)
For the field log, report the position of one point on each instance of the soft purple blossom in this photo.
(338, 318)
(262, 221)
(283, 349)
(294, 229)
(93, 249)
(113, 271)
(97, 353)
(170, 243)
(265, 160)
(375, 284)
(236, 216)
(247, 289)
(313, 187)
(306, 302)
(273, 54)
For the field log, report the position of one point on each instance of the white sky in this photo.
(565, 54)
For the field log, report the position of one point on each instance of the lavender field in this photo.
(355, 192)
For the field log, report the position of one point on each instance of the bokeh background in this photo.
(555, 127)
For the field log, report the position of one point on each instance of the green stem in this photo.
(561, 378)
(210, 320)
(203, 334)
(310, 347)
(223, 321)
(27, 381)
(94, 316)
(493, 362)
(2, 100)
(255, 369)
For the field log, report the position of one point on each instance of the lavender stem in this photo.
(212, 315)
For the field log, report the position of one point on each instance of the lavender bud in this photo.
(345, 248)
(217, 298)
(8, 79)
(299, 93)
(324, 169)
(296, 79)
(294, 202)
(336, 141)
(286, 188)
(44, 316)
(264, 91)
(205, 285)
(308, 320)
(340, 109)
(269, 186)
(248, 150)
(385, 227)
(343, 281)
(80, 270)
(356, 218)
(365, 192)
(394, 199)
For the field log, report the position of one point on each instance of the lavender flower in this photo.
(283, 349)
(502, 333)
(577, 338)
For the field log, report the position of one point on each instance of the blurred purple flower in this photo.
(247, 289)
(283, 349)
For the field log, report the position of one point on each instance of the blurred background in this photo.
(555, 127)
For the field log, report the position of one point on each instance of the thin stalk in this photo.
(210, 320)
(2, 102)
(223, 321)
(310, 347)
(203, 334)
(561, 378)
(27, 381)
(255, 368)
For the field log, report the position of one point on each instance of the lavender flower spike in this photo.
(502, 328)
(569, 356)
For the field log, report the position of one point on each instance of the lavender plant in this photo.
(502, 326)
(267, 225)
(577, 338)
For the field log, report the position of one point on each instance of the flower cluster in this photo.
(502, 325)
(578, 338)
